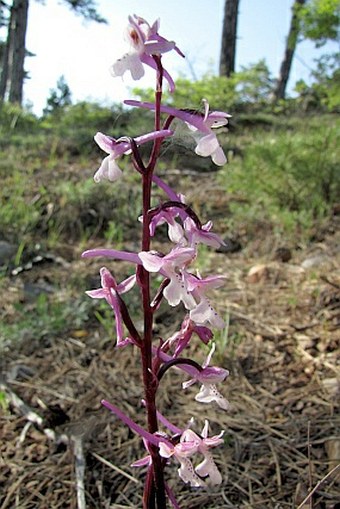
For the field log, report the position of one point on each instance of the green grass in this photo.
(286, 177)
(282, 175)
(44, 318)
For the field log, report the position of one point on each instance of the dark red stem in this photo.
(154, 492)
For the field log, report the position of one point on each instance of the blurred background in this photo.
(80, 40)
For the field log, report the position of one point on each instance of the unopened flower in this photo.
(200, 125)
(109, 168)
(109, 291)
(145, 42)
(182, 338)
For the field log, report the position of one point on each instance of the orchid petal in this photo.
(96, 294)
(208, 469)
(176, 292)
(143, 462)
(204, 313)
(113, 253)
(207, 145)
(188, 475)
(208, 393)
(152, 262)
(108, 170)
(106, 143)
(203, 234)
(154, 47)
(128, 62)
(127, 284)
(218, 157)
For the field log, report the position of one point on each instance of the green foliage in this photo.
(324, 91)
(284, 162)
(32, 153)
(73, 127)
(83, 113)
(287, 179)
(3, 401)
(59, 97)
(22, 217)
(87, 9)
(13, 119)
(249, 88)
(43, 318)
(320, 21)
(85, 210)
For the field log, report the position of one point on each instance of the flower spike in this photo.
(171, 272)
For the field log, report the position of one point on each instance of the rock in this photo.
(7, 252)
(315, 261)
(283, 254)
(33, 290)
(257, 273)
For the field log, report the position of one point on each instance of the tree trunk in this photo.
(5, 62)
(18, 51)
(12, 77)
(292, 39)
(229, 33)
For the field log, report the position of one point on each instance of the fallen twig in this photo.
(79, 470)
(31, 415)
(114, 467)
(318, 485)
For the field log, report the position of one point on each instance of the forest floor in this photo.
(281, 303)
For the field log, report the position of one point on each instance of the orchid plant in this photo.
(180, 284)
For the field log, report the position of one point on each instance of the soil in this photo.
(281, 346)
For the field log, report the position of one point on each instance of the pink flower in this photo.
(145, 42)
(175, 230)
(109, 291)
(208, 377)
(200, 125)
(201, 235)
(189, 445)
(171, 266)
(204, 312)
(109, 169)
(208, 467)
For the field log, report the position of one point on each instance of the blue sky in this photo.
(83, 52)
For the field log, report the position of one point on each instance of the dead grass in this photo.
(282, 431)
